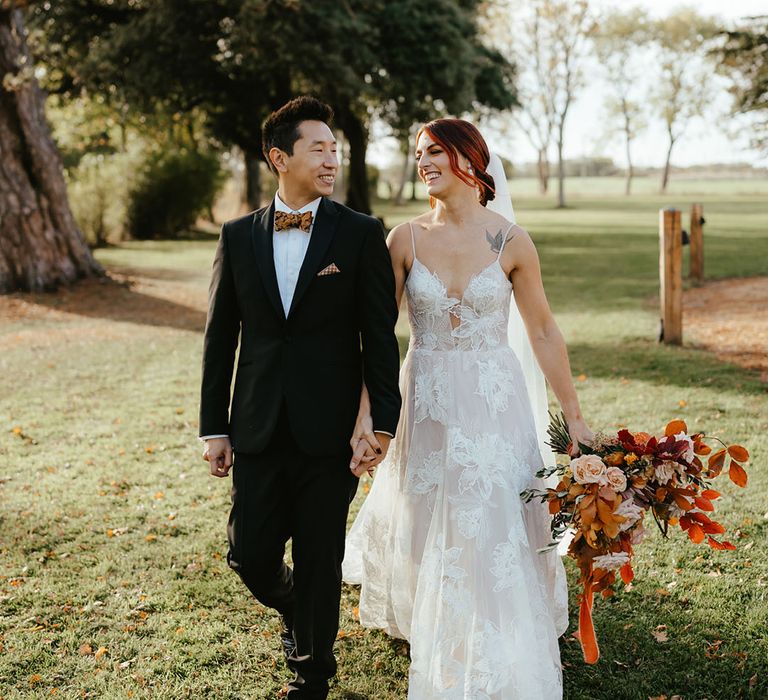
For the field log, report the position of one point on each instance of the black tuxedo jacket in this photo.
(339, 330)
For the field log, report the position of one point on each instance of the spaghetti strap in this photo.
(503, 240)
(413, 240)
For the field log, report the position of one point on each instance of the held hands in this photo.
(218, 453)
(368, 448)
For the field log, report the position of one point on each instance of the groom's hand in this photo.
(362, 457)
(218, 453)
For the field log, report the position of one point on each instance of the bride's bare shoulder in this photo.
(401, 234)
(400, 243)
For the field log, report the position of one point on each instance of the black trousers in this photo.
(281, 494)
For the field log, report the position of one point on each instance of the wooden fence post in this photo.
(696, 269)
(670, 276)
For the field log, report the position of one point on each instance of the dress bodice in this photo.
(476, 321)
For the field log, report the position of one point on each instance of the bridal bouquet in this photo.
(604, 495)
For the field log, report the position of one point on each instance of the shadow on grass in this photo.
(165, 274)
(616, 271)
(105, 298)
(648, 361)
(656, 643)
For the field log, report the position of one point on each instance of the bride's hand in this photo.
(580, 433)
(363, 459)
(364, 431)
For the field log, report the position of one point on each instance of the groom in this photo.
(307, 286)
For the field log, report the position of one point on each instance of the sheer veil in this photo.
(518, 336)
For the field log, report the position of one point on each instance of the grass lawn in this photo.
(113, 577)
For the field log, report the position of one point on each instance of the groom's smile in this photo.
(310, 171)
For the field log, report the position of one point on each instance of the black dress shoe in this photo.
(286, 638)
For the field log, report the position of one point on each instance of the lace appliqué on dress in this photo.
(431, 392)
(496, 384)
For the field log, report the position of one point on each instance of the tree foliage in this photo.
(239, 59)
(618, 39)
(680, 92)
(550, 39)
(743, 56)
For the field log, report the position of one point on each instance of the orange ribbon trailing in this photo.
(586, 632)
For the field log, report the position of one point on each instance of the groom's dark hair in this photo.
(281, 129)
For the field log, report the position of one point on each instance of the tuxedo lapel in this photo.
(322, 235)
(265, 257)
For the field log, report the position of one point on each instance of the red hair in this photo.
(456, 136)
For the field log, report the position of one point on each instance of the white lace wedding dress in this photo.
(443, 547)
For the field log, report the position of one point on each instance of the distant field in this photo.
(578, 187)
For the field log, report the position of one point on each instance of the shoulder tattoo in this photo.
(496, 242)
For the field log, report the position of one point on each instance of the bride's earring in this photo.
(471, 171)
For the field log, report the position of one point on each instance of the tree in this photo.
(618, 39)
(535, 115)
(550, 38)
(743, 56)
(239, 59)
(40, 244)
(679, 92)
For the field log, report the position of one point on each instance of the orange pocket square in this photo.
(330, 270)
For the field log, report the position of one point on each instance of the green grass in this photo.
(103, 388)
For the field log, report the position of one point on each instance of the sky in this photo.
(713, 139)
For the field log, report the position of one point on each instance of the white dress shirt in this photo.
(289, 246)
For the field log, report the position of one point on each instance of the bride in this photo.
(444, 548)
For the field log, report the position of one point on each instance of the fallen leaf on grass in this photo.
(101, 651)
(116, 531)
(753, 681)
(150, 538)
(712, 648)
(660, 634)
(35, 678)
(85, 649)
(159, 495)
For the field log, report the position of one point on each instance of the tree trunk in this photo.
(358, 197)
(543, 171)
(252, 193)
(630, 169)
(404, 177)
(627, 144)
(414, 182)
(665, 172)
(41, 246)
(560, 169)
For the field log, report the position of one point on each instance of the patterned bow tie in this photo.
(284, 220)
